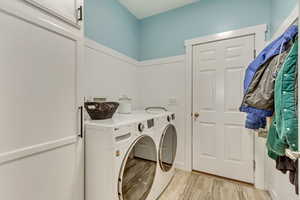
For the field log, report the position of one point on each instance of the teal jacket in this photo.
(283, 133)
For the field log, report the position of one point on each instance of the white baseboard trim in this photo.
(109, 51)
(273, 195)
(35, 149)
(180, 165)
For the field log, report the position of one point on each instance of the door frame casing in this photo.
(259, 33)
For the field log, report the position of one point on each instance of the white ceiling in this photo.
(146, 8)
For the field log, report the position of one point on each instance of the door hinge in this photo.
(80, 14)
(254, 53)
(254, 165)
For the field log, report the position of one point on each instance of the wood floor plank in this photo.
(198, 186)
(202, 189)
(253, 193)
(176, 187)
(190, 190)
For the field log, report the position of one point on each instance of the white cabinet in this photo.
(64, 14)
(69, 11)
(41, 157)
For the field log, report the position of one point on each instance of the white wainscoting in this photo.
(162, 83)
(278, 183)
(107, 73)
(149, 83)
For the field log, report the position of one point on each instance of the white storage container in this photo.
(125, 106)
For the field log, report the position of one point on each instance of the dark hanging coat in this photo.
(283, 132)
(261, 90)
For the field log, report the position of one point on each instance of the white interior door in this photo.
(221, 144)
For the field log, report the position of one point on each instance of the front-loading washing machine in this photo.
(121, 158)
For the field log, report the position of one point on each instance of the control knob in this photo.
(141, 127)
(169, 118)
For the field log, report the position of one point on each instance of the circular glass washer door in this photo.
(138, 170)
(168, 148)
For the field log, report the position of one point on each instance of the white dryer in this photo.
(121, 158)
(166, 139)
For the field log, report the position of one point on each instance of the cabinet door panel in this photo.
(66, 10)
(38, 74)
(40, 155)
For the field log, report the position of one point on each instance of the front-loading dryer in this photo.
(121, 158)
(166, 137)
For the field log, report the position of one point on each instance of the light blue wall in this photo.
(164, 34)
(109, 23)
(280, 10)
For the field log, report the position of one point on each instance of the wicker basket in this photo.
(99, 111)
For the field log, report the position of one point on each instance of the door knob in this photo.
(196, 115)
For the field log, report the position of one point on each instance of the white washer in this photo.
(166, 139)
(116, 153)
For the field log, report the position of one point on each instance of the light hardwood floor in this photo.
(198, 186)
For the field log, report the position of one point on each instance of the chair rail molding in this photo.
(161, 61)
(109, 51)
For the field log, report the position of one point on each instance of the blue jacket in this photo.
(256, 117)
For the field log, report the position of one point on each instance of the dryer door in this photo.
(168, 148)
(137, 174)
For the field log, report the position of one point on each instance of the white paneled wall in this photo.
(278, 183)
(106, 73)
(163, 84)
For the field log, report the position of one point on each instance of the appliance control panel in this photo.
(173, 117)
(150, 123)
